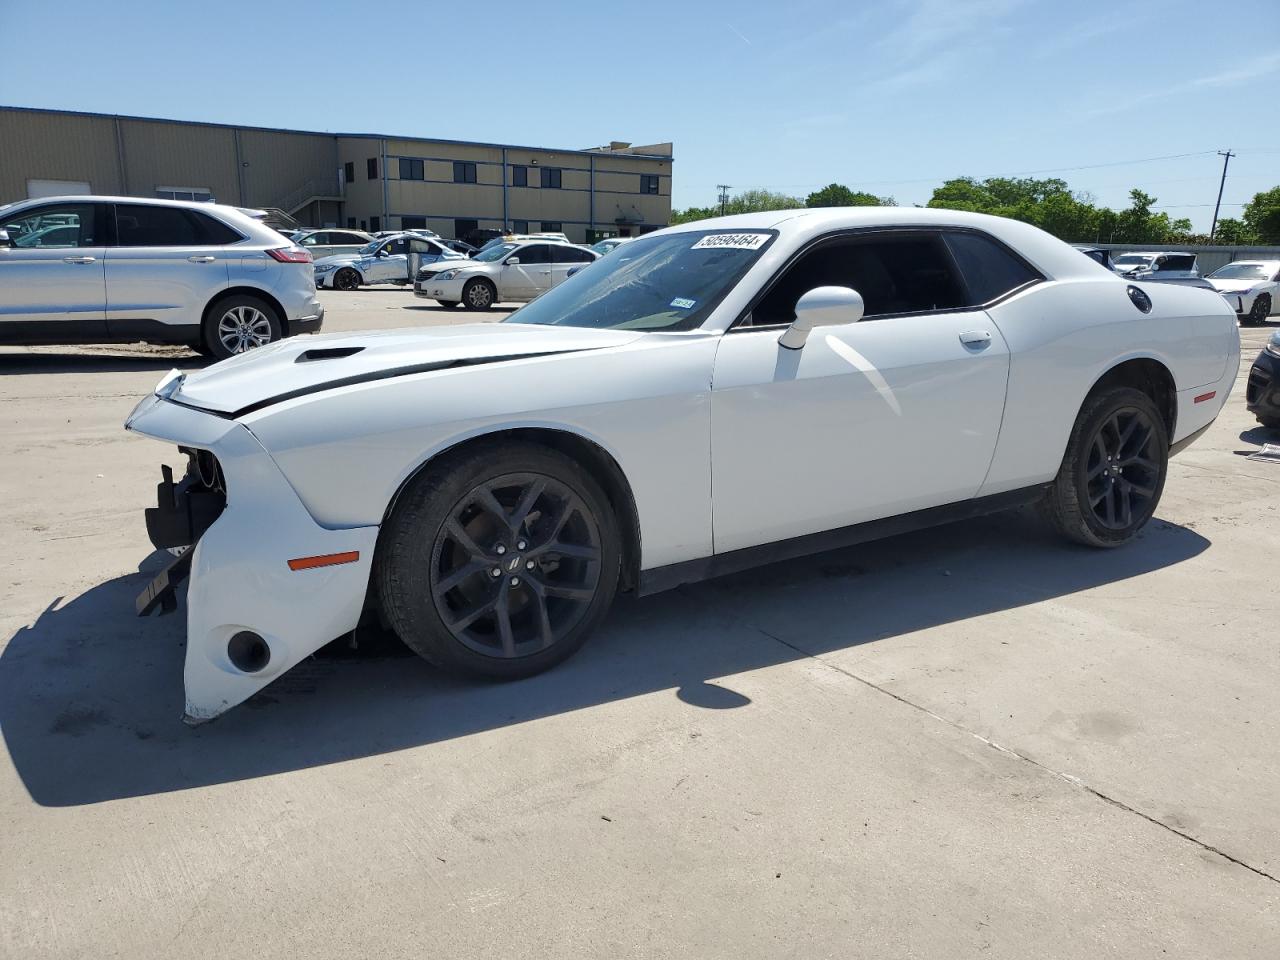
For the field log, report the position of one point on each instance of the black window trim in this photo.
(739, 323)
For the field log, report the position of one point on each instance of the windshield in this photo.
(1131, 260)
(494, 253)
(1241, 271)
(369, 248)
(604, 246)
(667, 282)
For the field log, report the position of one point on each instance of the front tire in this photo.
(500, 561)
(239, 324)
(1114, 470)
(478, 294)
(1260, 311)
(347, 279)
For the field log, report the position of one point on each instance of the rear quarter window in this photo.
(990, 269)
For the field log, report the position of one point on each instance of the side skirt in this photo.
(704, 568)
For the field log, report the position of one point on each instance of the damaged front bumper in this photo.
(253, 610)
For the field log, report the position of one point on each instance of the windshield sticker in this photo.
(683, 304)
(732, 241)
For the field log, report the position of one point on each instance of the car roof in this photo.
(1051, 255)
(1252, 263)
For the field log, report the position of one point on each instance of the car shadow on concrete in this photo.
(90, 696)
(79, 363)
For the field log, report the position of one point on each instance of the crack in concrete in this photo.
(1075, 781)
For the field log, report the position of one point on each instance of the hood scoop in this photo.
(326, 353)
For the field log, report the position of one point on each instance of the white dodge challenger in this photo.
(709, 397)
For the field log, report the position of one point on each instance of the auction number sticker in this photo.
(683, 303)
(732, 241)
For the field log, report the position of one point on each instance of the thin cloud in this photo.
(930, 25)
(1252, 70)
(738, 32)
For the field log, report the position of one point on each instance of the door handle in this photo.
(79, 259)
(201, 259)
(977, 339)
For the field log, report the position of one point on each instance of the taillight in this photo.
(290, 255)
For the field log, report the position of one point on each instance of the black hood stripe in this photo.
(374, 375)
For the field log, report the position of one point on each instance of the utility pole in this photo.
(724, 196)
(1226, 158)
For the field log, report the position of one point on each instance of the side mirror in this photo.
(513, 261)
(822, 307)
(4, 239)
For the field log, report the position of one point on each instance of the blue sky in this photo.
(890, 97)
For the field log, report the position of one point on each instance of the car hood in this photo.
(1233, 286)
(301, 365)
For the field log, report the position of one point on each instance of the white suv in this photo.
(123, 269)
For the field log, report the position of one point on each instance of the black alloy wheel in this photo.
(347, 279)
(1123, 470)
(499, 561)
(1260, 311)
(1113, 471)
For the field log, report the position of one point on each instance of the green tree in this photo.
(1232, 232)
(749, 201)
(838, 195)
(1262, 215)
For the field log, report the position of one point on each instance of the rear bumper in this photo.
(308, 324)
(241, 580)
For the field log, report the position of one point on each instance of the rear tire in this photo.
(479, 294)
(1111, 478)
(531, 514)
(238, 324)
(1271, 423)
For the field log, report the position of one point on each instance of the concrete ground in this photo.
(974, 741)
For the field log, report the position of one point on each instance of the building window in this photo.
(519, 176)
(551, 177)
(413, 223)
(349, 171)
(199, 194)
(648, 183)
(464, 172)
(375, 224)
(552, 226)
(462, 228)
(351, 223)
(520, 226)
(411, 169)
(371, 165)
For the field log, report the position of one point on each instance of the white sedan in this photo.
(510, 271)
(1252, 287)
(711, 396)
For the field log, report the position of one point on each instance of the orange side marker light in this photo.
(324, 560)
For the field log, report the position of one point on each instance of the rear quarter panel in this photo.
(348, 451)
(1065, 335)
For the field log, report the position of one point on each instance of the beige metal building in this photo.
(355, 180)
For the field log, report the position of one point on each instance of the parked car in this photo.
(553, 235)
(122, 269)
(380, 261)
(1252, 287)
(514, 271)
(1262, 390)
(1158, 266)
(331, 242)
(420, 231)
(732, 392)
(607, 244)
